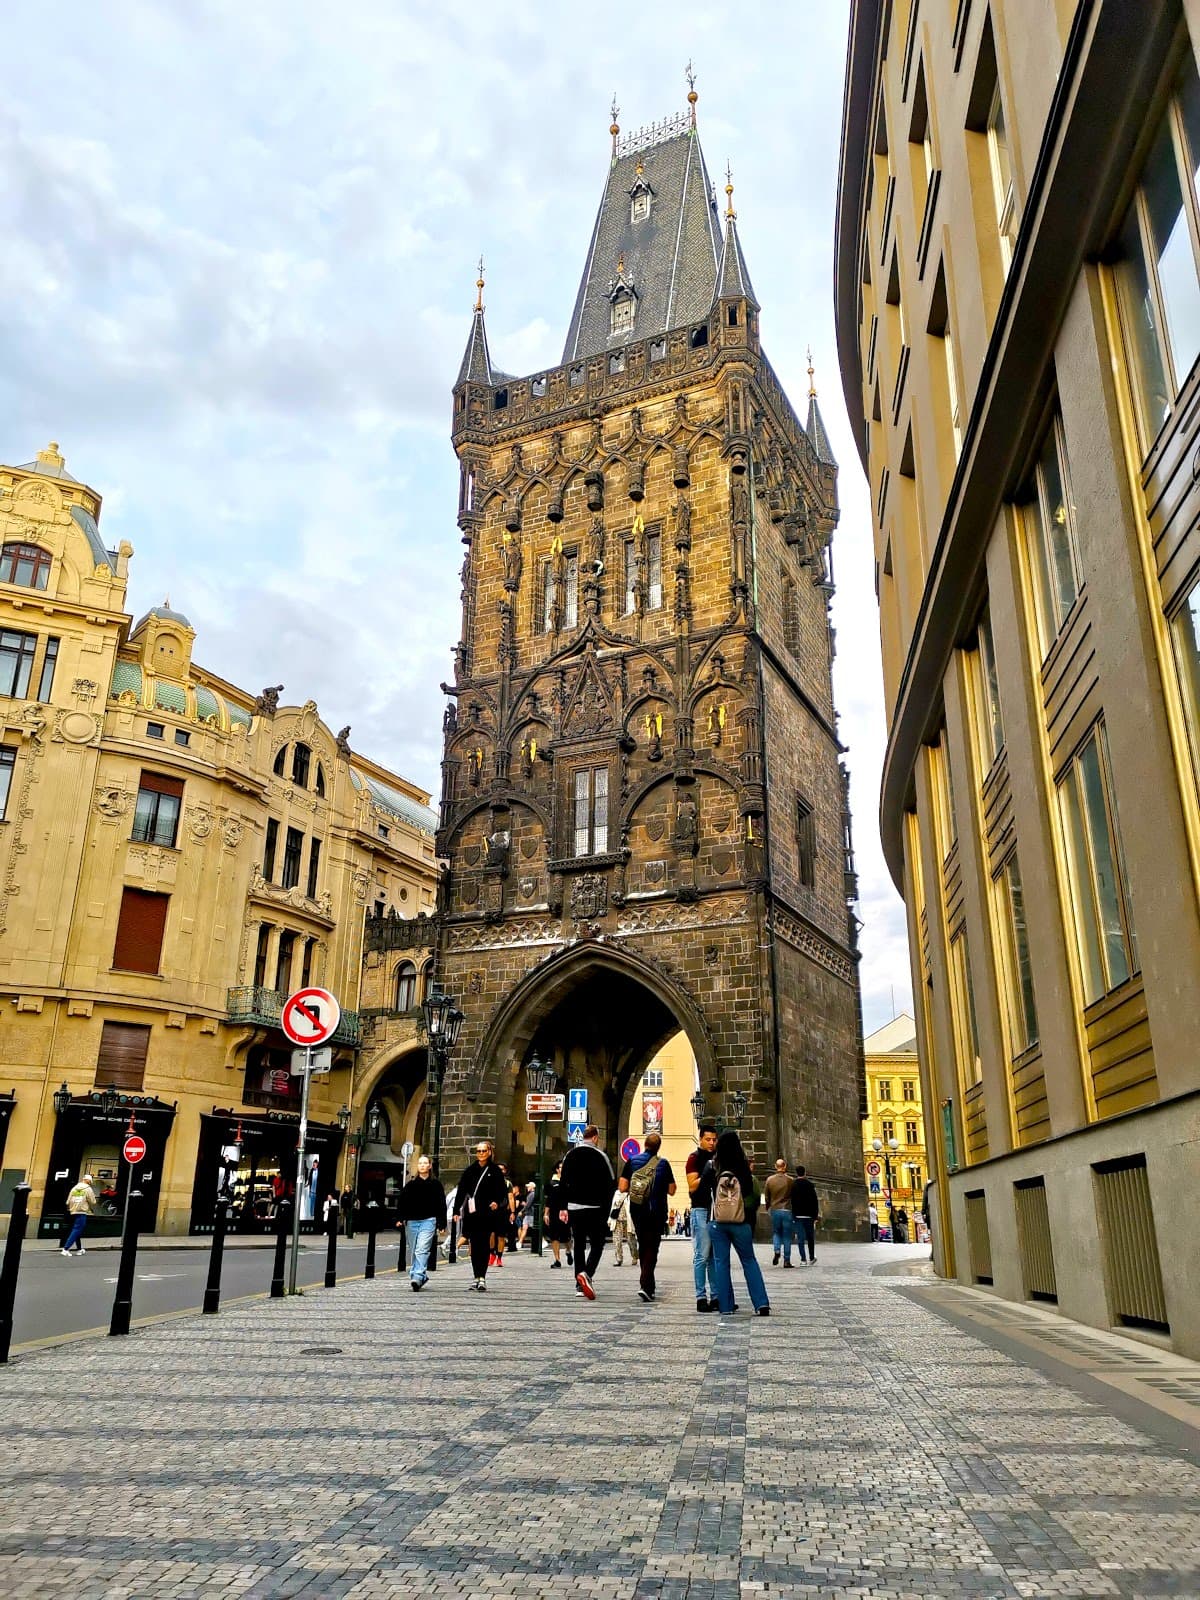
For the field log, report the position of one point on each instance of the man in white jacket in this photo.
(81, 1202)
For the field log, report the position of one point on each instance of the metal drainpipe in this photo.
(765, 907)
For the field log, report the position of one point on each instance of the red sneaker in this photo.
(585, 1285)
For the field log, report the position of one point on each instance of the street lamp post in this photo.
(735, 1110)
(343, 1121)
(887, 1152)
(443, 1023)
(543, 1079)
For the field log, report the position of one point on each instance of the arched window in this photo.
(301, 757)
(26, 564)
(277, 769)
(426, 978)
(406, 986)
(320, 781)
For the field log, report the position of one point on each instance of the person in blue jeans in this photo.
(422, 1214)
(728, 1236)
(702, 1262)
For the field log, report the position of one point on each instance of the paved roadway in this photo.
(881, 1436)
(56, 1297)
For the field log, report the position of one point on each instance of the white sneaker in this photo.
(66, 1253)
(79, 1250)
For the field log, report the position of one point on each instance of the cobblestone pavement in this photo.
(367, 1441)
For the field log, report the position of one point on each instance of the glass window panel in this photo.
(549, 592)
(601, 811)
(654, 563)
(49, 660)
(571, 607)
(1143, 336)
(967, 1028)
(630, 577)
(1185, 635)
(1104, 863)
(581, 814)
(1087, 929)
(993, 724)
(1022, 1008)
(1175, 259)
(1059, 530)
(16, 662)
(1188, 91)
(8, 760)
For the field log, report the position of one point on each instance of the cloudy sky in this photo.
(238, 261)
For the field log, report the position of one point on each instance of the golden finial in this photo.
(640, 169)
(812, 388)
(692, 95)
(479, 287)
(729, 211)
(615, 126)
(621, 265)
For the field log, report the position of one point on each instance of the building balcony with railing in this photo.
(264, 1007)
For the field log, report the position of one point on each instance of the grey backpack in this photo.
(727, 1203)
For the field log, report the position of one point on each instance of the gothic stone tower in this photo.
(643, 810)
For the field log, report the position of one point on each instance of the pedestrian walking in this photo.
(648, 1183)
(557, 1230)
(481, 1210)
(81, 1202)
(726, 1189)
(702, 1264)
(623, 1234)
(422, 1216)
(778, 1194)
(873, 1219)
(588, 1184)
(528, 1211)
(806, 1211)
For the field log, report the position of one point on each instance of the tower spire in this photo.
(730, 213)
(815, 426)
(479, 287)
(476, 362)
(614, 126)
(812, 388)
(692, 95)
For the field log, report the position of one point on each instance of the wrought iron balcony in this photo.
(249, 1003)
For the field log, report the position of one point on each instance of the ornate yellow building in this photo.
(894, 1112)
(175, 856)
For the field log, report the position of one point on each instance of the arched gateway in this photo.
(643, 810)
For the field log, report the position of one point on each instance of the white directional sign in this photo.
(550, 1106)
(310, 1016)
(322, 1060)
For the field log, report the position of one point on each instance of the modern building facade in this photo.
(1018, 304)
(895, 1173)
(177, 855)
(643, 808)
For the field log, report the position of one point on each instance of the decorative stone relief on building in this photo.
(85, 690)
(589, 897)
(113, 802)
(812, 943)
(232, 829)
(76, 727)
(360, 884)
(199, 822)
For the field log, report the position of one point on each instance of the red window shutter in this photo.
(124, 1047)
(140, 931)
(158, 784)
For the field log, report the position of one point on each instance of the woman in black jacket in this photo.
(423, 1216)
(481, 1208)
(729, 1163)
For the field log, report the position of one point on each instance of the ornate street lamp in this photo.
(443, 1024)
(735, 1108)
(699, 1106)
(374, 1124)
(343, 1117)
(543, 1079)
(108, 1100)
(736, 1103)
(62, 1099)
(887, 1152)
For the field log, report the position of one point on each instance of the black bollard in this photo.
(212, 1289)
(12, 1265)
(372, 1224)
(402, 1252)
(452, 1253)
(123, 1299)
(331, 1256)
(283, 1228)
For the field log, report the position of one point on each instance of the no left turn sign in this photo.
(310, 1016)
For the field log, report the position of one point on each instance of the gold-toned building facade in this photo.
(1018, 303)
(894, 1112)
(175, 856)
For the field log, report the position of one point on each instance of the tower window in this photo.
(623, 310)
(591, 811)
(639, 208)
(654, 584)
(26, 564)
(806, 843)
(631, 577)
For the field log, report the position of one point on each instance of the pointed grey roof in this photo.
(815, 430)
(476, 362)
(733, 281)
(670, 255)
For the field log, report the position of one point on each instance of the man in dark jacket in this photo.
(423, 1216)
(806, 1211)
(649, 1211)
(587, 1186)
(481, 1207)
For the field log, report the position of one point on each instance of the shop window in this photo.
(1158, 281)
(806, 843)
(885, 1088)
(124, 1048)
(1017, 963)
(140, 927)
(25, 564)
(301, 760)
(293, 849)
(406, 986)
(16, 662)
(269, 1082)
(1104, 933)
(314, 866)
(49, 662)
(590, 812)
(1049, 520)
(8, 762)
(156, 814)
(270, 846)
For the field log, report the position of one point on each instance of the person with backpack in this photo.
(727, 1187)
(622, 1232)
(806, 1211)
(649, 1182)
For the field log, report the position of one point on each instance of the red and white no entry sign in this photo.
(134, 1149)
(310, 1016)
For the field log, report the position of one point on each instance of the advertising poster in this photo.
(652, 1113)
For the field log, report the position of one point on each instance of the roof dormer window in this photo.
(623, 311)
(639, 206)
(26, 564)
